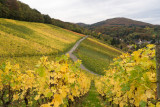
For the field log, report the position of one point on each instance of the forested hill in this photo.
(82, 24)
(17, 10)
(119, 32)
(13, 9)
(120, 22)
(123, 33)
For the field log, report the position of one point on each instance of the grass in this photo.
(26, 42)
(92, 99)
(95, 55)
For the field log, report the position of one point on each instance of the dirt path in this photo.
(74, 58)
(92, 99)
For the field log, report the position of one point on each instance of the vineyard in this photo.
(35, 73)
(95, 55)
(22, 41)
(54, 83)
(131, 80)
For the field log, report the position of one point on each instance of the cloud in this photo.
(91, 11)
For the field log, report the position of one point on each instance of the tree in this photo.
(12, 4)
(2, 1)
(4, 11)
(47, 19)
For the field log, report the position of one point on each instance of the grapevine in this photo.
(51, 83)
(131, 79)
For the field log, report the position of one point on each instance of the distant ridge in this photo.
(120, 21)
(82, 24)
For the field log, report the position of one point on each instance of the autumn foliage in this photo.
(50, 83)
(131, 80)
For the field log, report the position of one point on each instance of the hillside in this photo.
(123, 32)
(17, 10)
(46, 62)
(82, 24)
(116, 22)
(26, 42)
(95, 55)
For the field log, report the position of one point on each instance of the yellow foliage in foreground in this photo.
(51, 83)
(131, 79)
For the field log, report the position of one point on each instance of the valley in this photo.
(40, 48)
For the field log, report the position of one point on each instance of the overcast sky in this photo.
(91, 11)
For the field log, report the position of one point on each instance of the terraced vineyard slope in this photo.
(95, 55)
(23, 41)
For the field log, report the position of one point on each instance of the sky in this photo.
(92, 11)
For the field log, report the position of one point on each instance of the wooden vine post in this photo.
(158, 66)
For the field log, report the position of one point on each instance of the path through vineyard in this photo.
(92, 99)
(74, 58)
